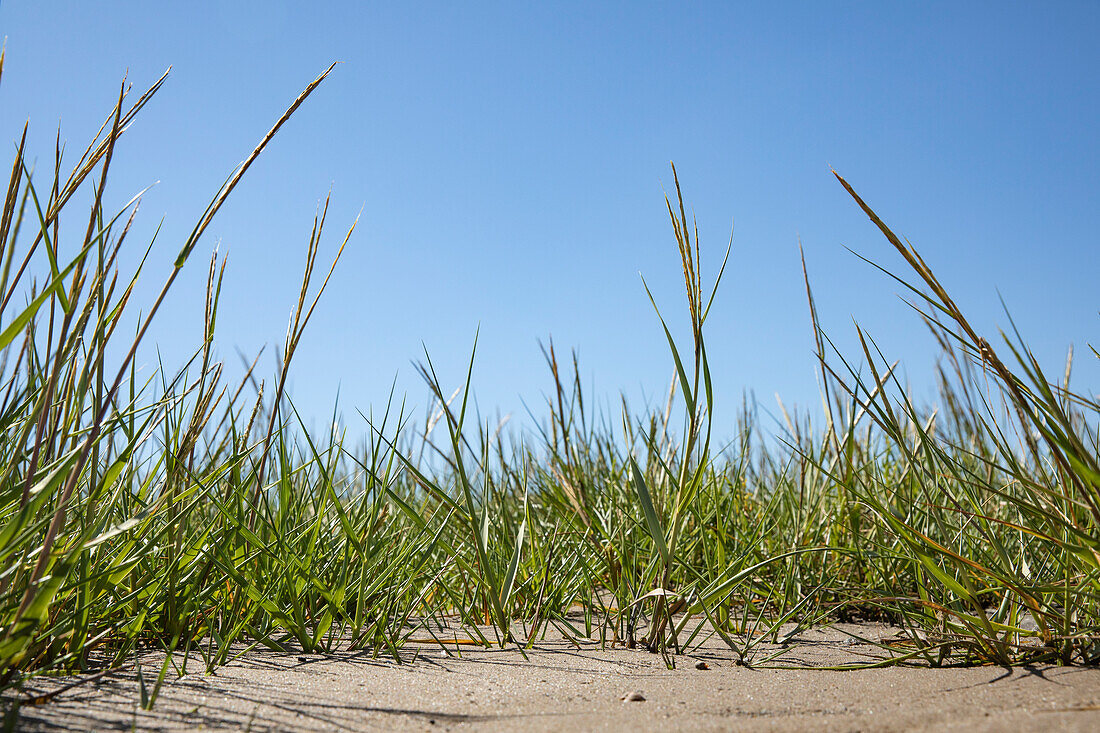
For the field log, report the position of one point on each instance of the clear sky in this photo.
(510, 161)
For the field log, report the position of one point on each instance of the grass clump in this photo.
(185, 513)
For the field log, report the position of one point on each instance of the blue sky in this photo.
(510, 162)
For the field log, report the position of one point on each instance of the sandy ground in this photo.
(560, 686)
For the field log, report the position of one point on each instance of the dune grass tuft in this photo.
(184, 513)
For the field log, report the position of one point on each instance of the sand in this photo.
(563, 687)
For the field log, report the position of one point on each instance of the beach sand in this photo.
(561, 686)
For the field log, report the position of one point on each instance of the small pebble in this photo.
(701, 665)
(635, 696)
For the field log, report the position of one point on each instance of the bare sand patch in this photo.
(560, 686)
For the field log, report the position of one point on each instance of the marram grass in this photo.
(190, 514)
